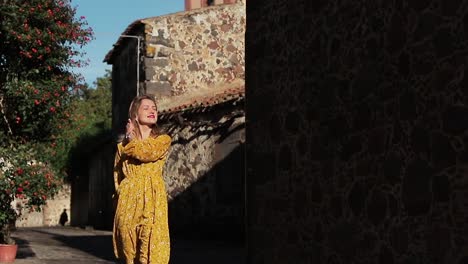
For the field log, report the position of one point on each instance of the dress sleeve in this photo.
(118, 174)
(148, 150)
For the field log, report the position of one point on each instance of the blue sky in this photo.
(109, 18)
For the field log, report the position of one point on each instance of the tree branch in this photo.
(2, 109)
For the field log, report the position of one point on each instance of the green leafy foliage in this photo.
(91, 116)
(40, 45)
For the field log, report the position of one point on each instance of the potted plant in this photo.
(8, 215)
(30, 182)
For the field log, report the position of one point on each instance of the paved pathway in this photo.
(69, 245)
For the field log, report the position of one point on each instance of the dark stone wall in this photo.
(357, 141)
(101, 185)
(205, 172)
(92, 182)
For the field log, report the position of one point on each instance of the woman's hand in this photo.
(129, 130)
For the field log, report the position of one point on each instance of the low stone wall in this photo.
(50, 213)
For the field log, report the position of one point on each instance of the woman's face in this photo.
(147, 113)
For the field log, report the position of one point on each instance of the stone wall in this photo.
(204, 175)
(194, 50)
(357, 131)
(51, 212)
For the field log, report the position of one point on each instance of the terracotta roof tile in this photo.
(207, 101)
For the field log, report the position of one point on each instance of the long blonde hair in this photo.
(133, 113)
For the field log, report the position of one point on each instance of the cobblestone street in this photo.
(69, 245)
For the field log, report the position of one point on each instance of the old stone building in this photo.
(193, 63)
(206, 168)
(188, 54)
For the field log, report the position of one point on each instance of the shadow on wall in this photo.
(214, 206)
(90, 170)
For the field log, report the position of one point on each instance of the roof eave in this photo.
(130, 30)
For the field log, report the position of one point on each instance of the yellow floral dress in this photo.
(141, 231)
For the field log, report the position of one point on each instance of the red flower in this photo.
(19, 189)
(19, 171)
(52, 109)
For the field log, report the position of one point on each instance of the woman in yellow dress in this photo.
(141, 232)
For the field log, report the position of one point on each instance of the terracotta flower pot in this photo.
(8, 253)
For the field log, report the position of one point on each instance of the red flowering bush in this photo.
(23, 177)
(40, 45)
(33, 182)
(7, 213)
